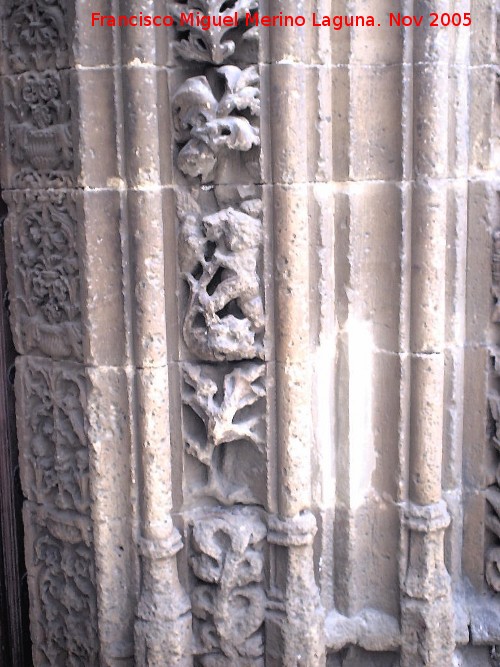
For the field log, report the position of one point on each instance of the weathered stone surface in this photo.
(254, 277)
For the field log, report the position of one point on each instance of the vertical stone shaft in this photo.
(427, 612)
(163, 626)
(302, 631)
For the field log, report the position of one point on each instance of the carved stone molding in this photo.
(212, 132)
(54, 457)
(492, 493)
(44, 273)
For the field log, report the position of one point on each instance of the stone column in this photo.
(294, 528)
(427, 610)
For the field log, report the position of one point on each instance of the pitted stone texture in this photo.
(219, 258)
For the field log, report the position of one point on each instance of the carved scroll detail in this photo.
(46, 273)
(55, 468)
(229, 607)
(62, 584)
(209, 129)
(206, 43)
(36, 34)
(38, 123)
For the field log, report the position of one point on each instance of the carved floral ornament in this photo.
(39, 127)
(207, 128)
(36, 34)
(209, 44)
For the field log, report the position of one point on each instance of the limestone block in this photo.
(93, 46)
(103, 302)
(97, 161)
(114, 511)
(376, 136)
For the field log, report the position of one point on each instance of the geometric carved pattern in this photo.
(54, 463)
(224, 425)
(62, 589)
(229, 605)
(38, 120)
(45, 273)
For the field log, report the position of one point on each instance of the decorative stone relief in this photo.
(45, 268)
(219, 256)
(208, 129)
(495, 316)
(224, 424)
(39, 129)
(36, 35)
(229, 604)
(205, 41)
(492, 520)
(62, 587)
(54, 464)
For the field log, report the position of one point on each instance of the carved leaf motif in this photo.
(46, 296)
(38, 124)
(227, 553)
(63, 585)
(36, 34)
(207, 128)
(56, 471)
(208, 45)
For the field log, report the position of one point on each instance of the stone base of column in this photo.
(163, 628)
(427, 631)
(300, 632)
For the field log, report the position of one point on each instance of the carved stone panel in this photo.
(228, 598)
(492, 520)
(225, 433)
(215, 125)
(36, 34)
(44, 273)
(219, 258)
(39, 132)
(54, 457)
(62, 588)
